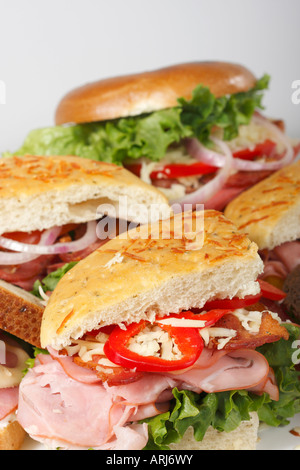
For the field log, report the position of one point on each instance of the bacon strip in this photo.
(269, 332)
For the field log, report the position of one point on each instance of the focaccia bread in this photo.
(37, 193)
(167, 267)
(269, 212)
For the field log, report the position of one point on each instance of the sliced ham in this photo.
(235, 370)
(289, 254)
(55, 406)
(81, 374)
(274, 268)
(8, 401)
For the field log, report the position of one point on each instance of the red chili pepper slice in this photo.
(188, 340)
(271, 292)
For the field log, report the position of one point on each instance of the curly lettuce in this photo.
(152, 134)
(225, 411)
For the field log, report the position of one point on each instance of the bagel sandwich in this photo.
(159, 340)
(195, 130)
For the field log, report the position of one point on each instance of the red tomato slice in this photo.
(233, 303)
(188, 341)
(175, 170)
(31, 238)
(271, 292)
(262, 149)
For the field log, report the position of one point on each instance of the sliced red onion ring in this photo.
(205, 155)
(50, 249)
(7, 259)
(207, 191)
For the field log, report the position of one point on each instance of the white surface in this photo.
(47, 48)
(269, 438)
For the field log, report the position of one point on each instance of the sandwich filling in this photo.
(205, 150)
(129, 386)
(27, 258)
(12, 364)
(282, 269)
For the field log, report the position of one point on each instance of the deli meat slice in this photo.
(289, 254)
(235, 370)
(8, 401)
(54, 407)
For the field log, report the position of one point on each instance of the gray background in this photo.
(47, 48)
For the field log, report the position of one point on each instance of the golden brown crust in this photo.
(20, 316)
(33, 175)
(135, 94)
(12, 436)
(260, 210)
(147, 261)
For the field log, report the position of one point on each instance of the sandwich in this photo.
(12, 363)
(195, 130)
(269, 213)
(159, 339)
(20, 320)
(51, 208)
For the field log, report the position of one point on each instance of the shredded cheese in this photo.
(250, 320)
(224, 335)
(44, 296)
(153, 341)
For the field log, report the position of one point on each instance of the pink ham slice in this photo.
(8, 401)
(289, 254)
(234, 370)
(53, 405)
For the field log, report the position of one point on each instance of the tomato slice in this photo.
(265, 148)
(175, 170)
(271, 292)
(233, 303)
(31, 238)
(188, 340)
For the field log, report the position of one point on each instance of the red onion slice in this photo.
(50, 248)
(7, 259)
(207, 191)
(205, 155)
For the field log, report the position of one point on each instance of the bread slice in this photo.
(164, 268)
(38, 193)
(139, 93)
(12, 436)
(20, 313)
(244, 437)
(269, 212)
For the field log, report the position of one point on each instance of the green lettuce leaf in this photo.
(225, 411)
(148, 135)
(50, 282)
